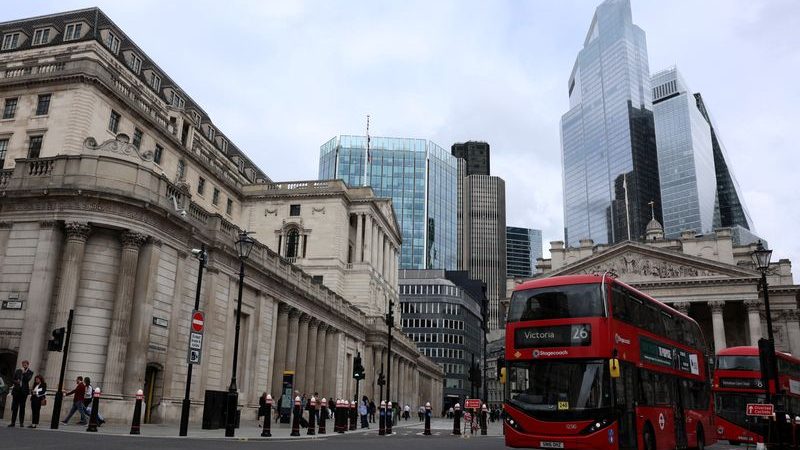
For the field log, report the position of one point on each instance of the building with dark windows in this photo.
(419, 177)
(475, 154)
(441, 312)
(610, 166)
(698, 189)
(523, 248)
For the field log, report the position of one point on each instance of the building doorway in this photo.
(152, 392)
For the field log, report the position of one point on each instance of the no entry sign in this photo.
(760, 409)
(198, 320)
(197, 323)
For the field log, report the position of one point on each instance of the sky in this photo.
(280, 78)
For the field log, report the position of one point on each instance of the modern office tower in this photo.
(610, 166)
(419, 177)
(441, 312)
(483, 249)
(523, 247)
(476, 155)
(698, 190)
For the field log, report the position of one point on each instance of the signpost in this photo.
(196, 337)
(760, 409)
(472, 403)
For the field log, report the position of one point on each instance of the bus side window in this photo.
(620, 304)
(698, 337)
(647, 388)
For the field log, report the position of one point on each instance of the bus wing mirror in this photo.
(613, 366)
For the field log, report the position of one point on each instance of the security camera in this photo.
(196, 251)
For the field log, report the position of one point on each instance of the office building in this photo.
(419, 177)
(523, 248)
(610, 167)
(475, 154)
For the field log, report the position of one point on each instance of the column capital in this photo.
(792, 315)
(753, 305)
(305, 318)
(716, 306)
(132, 239)
(77, 231)
(155, 242)
(683, 307)
(294, 313)
(5, 225)
(283, 308)
(314, 322)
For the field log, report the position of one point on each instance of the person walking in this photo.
(19, 392)
(363, 410)
(262, 408)
(406, 412)
(77, 402)
(371, 411)
(38, 399)
(87, 401)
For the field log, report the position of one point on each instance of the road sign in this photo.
(196, 341)
(198, 320)
(472, 403)
(760, 409)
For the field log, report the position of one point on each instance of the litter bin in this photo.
(214, 410)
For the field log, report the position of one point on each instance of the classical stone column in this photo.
(718, 324)
(302, 352)
(40, 294)
(385, 271)
(141, 318)
(368, 238)
(754, 320)
(359, 256)
(380, 265)
(291, 343)
(311, 357)
(279, 350)
(369, 370)
(176, 350)
(318, 384)
(77, 234)
(682, 307)
(121, 315)
(331, 362)
(793, 330)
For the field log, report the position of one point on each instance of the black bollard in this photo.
(323, 414)
(137, 413)
(312, 415)
(382, 419)
(95, 410)
(389, 417)
(427, 431)
(353, 415)
(484, 417)
(341, 416)
(266, 430)
(457, 420)
(296, 419)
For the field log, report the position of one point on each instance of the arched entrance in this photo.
(153, 388)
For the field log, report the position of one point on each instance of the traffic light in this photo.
(358, 369)
(501, 363)
(381, 379)
(502, 375)
(390, 315)
(57, 343)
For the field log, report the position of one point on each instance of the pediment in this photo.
(637, 263)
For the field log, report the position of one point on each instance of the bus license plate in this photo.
(551, 444)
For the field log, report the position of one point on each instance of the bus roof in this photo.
(751, 351)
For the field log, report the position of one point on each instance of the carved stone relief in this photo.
(645, 267)
(120, 145)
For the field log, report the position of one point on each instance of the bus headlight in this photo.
(597, 426)
(513, 423)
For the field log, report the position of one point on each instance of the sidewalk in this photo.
(250, 430)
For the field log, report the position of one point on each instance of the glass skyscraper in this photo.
(610, 167)
(419, 177)
(523, 247)
(698, 189)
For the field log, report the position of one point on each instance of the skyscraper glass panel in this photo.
(419, 177)
(610, 171)
(523, 247)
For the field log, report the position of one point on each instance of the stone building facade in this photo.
(111, 176)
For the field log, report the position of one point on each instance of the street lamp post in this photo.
(761, 258)
(389, 325)
(243, 246)
(202, 256)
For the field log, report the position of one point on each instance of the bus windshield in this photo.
(738, 363)
(570, 389)
(557, 302)
(733, 406)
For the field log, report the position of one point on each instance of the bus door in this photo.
(680, 415)
(625, 393)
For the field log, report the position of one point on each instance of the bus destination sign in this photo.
(746, 383)
(575, 335)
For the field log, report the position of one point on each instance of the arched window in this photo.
(292, 243)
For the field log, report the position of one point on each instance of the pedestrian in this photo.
(87, 401)
(19, 392)
(407, 412)
(371, 411)
(262, 407)
(363, 410)
(421, 413)
(77, 402)
(38, 399)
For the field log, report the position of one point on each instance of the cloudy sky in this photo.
(281, 77)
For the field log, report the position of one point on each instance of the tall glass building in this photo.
(523, 247)
(698, 189)
(610, 167)
(421, 179)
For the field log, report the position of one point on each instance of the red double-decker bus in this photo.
(593, 363)
(738, 382)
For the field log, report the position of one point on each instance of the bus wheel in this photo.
(701, 439)
(648, 437)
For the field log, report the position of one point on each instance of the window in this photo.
(3, 149)
(137, 138)
(201, 185)
(215, 196)
(41, 36)
(10, 41)
(155, 81)
(157, 154)
(135, 64)
(113, 121)
(10, 108)
(43, 105)
(294, 210)
(112, 42)
(210, 133)
(181, 169)
(292, 242)
(72, 32)
(229, 207)
(35, 146)
(177, 100)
